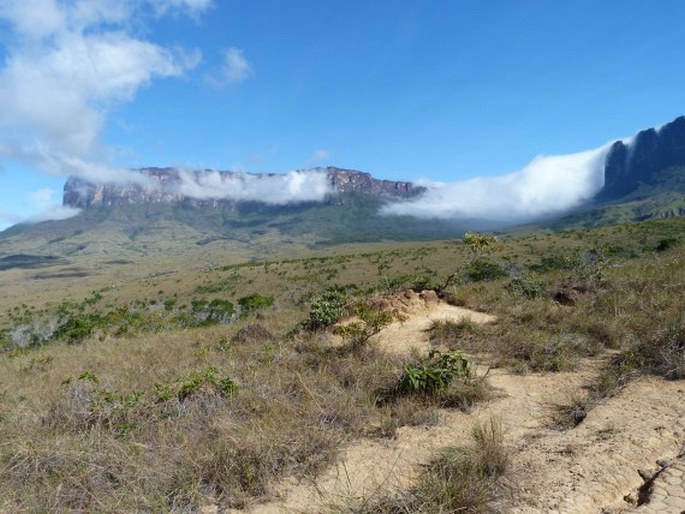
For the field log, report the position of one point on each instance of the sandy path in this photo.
(589, 469)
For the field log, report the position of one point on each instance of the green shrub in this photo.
(436, 373)
(526, 287)
(414, 281)
(216, 312)
(556, 262)
(369, 323)
(253, 303)
(78, 327)
(484, 270)
(326, 308)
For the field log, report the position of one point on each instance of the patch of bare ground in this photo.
(597, 466)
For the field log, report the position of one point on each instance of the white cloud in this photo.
(192, 6)
(546, 186)
(320, 155)
(235, 68)
(47, 209)
(69, 62)
(275, 189)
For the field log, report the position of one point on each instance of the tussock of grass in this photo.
(458, 479)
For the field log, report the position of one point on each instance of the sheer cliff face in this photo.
(163, 184)
(642, 159)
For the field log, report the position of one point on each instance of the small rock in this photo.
(647, 474)
(630, 498)
(663, 463)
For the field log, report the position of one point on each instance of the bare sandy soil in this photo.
(597, 467)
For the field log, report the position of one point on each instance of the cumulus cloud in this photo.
(547, 185)
(235, 68)
(67, 64)
(274, 189)
(47, 208)
(192, 6)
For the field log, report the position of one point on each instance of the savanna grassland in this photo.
(170, 383)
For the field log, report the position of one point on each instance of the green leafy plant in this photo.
(526, 287)
(436, 373)
(484, 270)
(326, 308)
(368, 323)
(253, 303)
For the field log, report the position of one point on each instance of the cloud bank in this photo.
(48, 209)
(546, 186)
(67, 64)
(273, 189)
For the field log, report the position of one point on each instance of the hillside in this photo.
(531, 373)
(644, 179)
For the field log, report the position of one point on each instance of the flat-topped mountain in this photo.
(644, 177)
(170, 185)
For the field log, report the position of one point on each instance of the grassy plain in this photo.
(117, 395)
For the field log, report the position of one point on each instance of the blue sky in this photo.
(446, 90)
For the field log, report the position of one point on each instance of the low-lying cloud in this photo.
(548, 185)
(43, 200)
(274, 189)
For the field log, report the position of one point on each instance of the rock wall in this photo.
(641, 160)
(164, 189)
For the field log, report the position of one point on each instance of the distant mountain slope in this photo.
(120, 219)
(650, 160)
(166, 186)
(643, 179)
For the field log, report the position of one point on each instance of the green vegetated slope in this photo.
(664, 198)
(161, 383)
(148, 228)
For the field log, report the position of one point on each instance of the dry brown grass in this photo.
(149, 422)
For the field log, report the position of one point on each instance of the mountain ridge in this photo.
(164, 185)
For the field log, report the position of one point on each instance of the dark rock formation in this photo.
(642, 161)
(162, 187)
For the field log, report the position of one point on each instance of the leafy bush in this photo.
(78, 327)
(415, 281)
(326, 308)
(526, 287)
(484, 270)
(369, 323)
(253, 303)
(662, 245)
(216, 312)
(436, 372)
(556, 262)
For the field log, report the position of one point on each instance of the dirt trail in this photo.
(589, 469)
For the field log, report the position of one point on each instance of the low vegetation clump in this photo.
(325, 308)
(254, 303)
(458, 479)
(367, 323)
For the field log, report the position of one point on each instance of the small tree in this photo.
(481, 245)
(369, 323)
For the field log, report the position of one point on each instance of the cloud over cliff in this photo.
(274, 189)
(546, 186)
